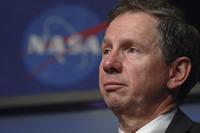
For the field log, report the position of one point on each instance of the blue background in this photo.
(16, 18)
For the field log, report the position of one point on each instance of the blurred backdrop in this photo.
(50, 52)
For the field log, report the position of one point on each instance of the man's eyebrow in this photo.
(133, 42)
(106, 41)
(128, 41)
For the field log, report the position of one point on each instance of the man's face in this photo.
(132, 72)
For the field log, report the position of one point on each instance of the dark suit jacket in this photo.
(182, 124)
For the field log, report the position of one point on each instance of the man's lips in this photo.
(113, 85)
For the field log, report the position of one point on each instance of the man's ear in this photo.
(179, 72)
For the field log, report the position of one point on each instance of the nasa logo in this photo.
(62, 46)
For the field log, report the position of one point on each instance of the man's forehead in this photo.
(139, 16)
(132, 26)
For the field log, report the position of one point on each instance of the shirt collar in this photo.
(157, 125)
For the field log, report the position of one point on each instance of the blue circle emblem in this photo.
(62, 45)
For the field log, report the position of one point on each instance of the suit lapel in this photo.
(180, 123)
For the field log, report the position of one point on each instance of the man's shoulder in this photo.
(181, 123)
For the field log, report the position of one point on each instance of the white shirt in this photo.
(157, 125)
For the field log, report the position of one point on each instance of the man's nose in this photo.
(112, 64)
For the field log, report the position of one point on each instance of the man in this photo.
(149, 64)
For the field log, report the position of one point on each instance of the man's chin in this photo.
(116, 106)
(114, 101)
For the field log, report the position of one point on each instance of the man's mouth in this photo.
(111, 86)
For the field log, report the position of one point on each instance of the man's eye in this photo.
(132, 50)
(106, 51)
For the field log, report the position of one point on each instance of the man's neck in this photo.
(131, 122)
(157, 125)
